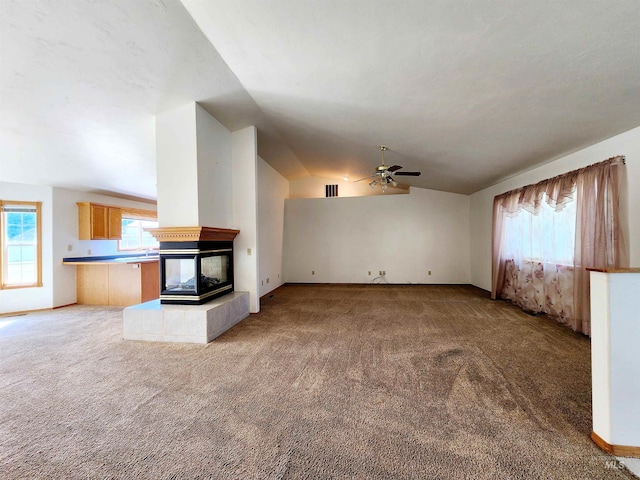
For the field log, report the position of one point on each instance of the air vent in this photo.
(331, 190)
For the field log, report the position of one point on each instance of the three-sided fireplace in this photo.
(196, 263)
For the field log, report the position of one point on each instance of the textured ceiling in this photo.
(82, 81)
(468, 92)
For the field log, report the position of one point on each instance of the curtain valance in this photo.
(556, 191)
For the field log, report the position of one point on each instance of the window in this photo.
(548, 236)
(21, 244)
(134, 237)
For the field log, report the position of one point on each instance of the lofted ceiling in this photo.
(467, 91)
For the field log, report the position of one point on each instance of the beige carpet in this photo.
(328, 381)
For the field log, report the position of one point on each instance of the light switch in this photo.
(248, 251)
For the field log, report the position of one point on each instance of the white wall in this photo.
(342, 239)
(314, 187)
(244, 150)
(177, 167)
(627, 144)
(21, 299)
(273, 189)
(214, 172)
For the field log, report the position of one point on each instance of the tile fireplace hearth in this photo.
(154, 322)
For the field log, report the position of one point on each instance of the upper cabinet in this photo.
(99, 222)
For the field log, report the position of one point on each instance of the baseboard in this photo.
(20, 313)
(67, 305)
(617, 450)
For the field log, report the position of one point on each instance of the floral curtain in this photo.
(546, 235)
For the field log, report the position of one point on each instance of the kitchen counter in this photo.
(122, 280)
(109, 259)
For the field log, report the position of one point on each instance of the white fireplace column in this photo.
(207, 176)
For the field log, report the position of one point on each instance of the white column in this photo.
(244, 148)
(193, 162)
(177, 167)
(615, 359)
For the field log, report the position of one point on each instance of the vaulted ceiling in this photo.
(468, 92)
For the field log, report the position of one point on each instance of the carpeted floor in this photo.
(328, 381)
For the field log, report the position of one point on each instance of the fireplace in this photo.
(196, 264)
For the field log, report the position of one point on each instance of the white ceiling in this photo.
(467, 91)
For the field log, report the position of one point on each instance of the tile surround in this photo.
(154, 322)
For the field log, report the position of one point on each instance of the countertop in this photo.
(110, 259)
(614, 270)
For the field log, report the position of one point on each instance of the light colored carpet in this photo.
(328, 381)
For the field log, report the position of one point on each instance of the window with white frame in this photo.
(134, 236)
(21, 244)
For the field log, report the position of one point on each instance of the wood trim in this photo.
(139, 213)
(614, 270)
(19, 313)
(38, 207)
(617, 450)
(18, 202)
(39, 248)
(192, 234)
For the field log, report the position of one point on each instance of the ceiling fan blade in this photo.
(365, 178)
(409, 174)
(393, 168)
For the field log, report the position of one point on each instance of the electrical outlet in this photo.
(267, 279)
(313, 272)
(384, 272)
(262, 282)
(369, 272)
(248, 251)
(69, 247)
(278, 275)
(429, 272)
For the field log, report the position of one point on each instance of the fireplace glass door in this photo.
(214, 272)
(180, 274)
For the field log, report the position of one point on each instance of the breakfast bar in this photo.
(121, 280)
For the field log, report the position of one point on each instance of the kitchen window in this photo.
(134, 237)
(21, 244)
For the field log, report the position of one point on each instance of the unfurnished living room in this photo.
(319, 239)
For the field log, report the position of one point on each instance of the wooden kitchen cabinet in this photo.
(122, 284)
(99, 222)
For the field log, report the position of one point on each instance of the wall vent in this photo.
(331, 190)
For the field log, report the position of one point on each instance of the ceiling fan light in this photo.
(394, 183)
(373, 184)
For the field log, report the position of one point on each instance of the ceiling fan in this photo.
(383, 172)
